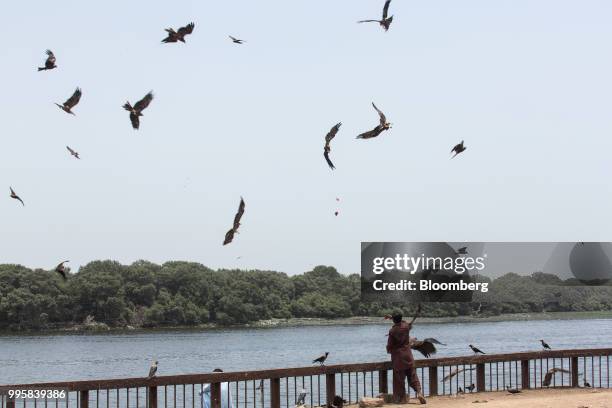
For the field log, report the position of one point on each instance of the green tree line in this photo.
(145, 294)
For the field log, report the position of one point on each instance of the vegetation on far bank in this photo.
(145, 295)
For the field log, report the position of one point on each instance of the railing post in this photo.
(433, 380)
(330, 388)
(10, 402)
(275, 393)
(84, 399)
(153, 396)
(574, 369)
(525, 381)
(480, 377)
(383, 382)
(215, 395)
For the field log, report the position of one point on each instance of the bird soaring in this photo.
(61, 270)
(386, 21)
(545, 345)
(236, 40)
(456, 371)
(321, 359)
(550, 373)
(229, 235)
(73, 152)
(16, 197)
(328, 138)
(174, 36)
(49, 62)
(152, 370)
(458, 149)
(382, 126)
(136, 110)
(476, 350)
(71, 102)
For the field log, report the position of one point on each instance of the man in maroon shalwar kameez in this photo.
(398, 345)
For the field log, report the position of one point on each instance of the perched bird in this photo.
(513, 390)
(550, 373)
(236, 40)
(152, 370)
(61, 270)
(321, 359)
(386, 21)
(382, 126)
(338, 402)
(462, 251)
(476, 350)
(174, 36)
(136, 110)
(229, 236)
(458, 149)
(49, 63)
(16, 197)
(72, 152)
(328, 138)
(456, 371)
(586, 384)
(71, 102)
(301, 400)
(471, 388)
(425, 347)
(545, 345)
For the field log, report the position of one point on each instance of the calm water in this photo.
(96, 356)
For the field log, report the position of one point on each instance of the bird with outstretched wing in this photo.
(136, 110)
(61, 270)
(49, 62)
(229, 235)
(328, 138)
(550, 373)
(174, 36)
(381, 127)
(386, 21)
(236, 40)
(459, 147)
(16, 197)
(71, 102)
(73, 152)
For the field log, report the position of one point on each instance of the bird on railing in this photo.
(545, 345)
(550, 373)
(471, 388)
(321, 359)
(513, 390)
(152, 370)
(456, 371)
(476, 350)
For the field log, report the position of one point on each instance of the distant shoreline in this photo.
(305, 322)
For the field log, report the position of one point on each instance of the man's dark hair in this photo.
(397, 317)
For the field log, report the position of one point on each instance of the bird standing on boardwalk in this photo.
(513, 390)
(385, 22)
(321, 359)
(61, 270)
(49, 63)
(73, 152)
(16, 197)
(229, 235)
(545, 345)
(382, 126)
(236, 40)
(458, 149)
(550, 373)
(476, 350)
(71, 102)
(174, 36)
(328, 138)
(152, 370)
(136, 110)
(471, 388)
(338, 402)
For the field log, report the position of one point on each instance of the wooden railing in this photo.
(279, 387)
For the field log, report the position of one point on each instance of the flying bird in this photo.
(382, 126)
(386, 21)
(328, 138)
(229, 235)
(16, 197)
(458, 149)
(136, 110)
(236, 40)
(545, 345)
(174, 36)
(321, 359)
(61, 269)
(73, 152)
(336, 213)
(426, 347)
(71, 102)
(550, 373)
(49, 63)
(476, 350)
(152, 370)
(456, 371)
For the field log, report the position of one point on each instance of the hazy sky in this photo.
(526, 84)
